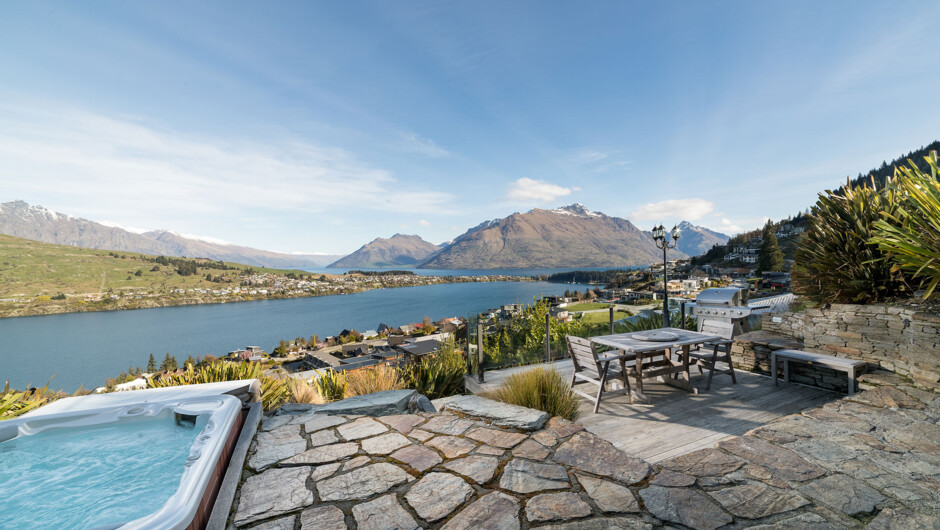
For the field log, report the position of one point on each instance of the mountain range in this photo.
(400, 250)
(17, 218)
(570, 236)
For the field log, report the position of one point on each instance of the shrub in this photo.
(540, 389)
(834, 262)
(911, 235)
(438, 376)
(331, 385)
(375, 379)
(274, 391)
(303, 392)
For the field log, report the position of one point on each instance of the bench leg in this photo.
(734, 380)
(773, 366)
(600, 388)
(711, 368)
(851, 376)
(786, 370)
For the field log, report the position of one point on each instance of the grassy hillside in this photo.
(30, 269)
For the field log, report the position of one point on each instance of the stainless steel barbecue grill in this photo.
(725, 304)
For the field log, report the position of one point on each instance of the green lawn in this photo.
(586, 306)
(602, 317)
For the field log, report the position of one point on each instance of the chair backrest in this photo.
(582, 354)
(718, 327)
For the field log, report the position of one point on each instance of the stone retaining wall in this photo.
(751, 351)
(902, 340)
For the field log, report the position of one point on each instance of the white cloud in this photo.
(531, 190)
(425, 146)
(422, 222)
(729, 227)
(144, 174)
(687, 209)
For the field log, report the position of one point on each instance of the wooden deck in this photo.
(678, 422)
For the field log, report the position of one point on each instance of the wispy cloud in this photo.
(528, 190)
(688, 209)
(424, 146)
(148, 173)
(423, 222)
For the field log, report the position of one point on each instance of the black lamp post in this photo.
(659, 236)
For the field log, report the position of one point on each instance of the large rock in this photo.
(525, 476)
(848, 495)
(888, 397)
(551, 506)
(499, 413)
(607, 495)
(451, 446)
(275, 445)
(437, 495)
(685, 506)
(383, 513)
(783, 463)
(495, 511)
(754, 500)
(586, 452)
(273, 493)
(704, 463)
(362, 483)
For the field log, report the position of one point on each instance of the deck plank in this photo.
(677, 422)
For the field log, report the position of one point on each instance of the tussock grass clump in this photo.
(303, 392)
(374, 379)
(540, 389)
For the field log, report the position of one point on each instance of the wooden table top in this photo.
(627, 341)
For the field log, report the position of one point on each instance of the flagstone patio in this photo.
(870, 461)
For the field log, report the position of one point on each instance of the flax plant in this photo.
(332, 385)
(911, 234)
(274, 391)
(14, 403)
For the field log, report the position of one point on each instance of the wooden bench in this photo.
(849, 366)
(591, 367)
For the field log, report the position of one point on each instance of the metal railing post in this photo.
(682, 315)
(611, 320)
(548, 338)
(480, 352)
(469, 358)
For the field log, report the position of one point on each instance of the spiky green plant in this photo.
(274, 391)
(834, 262)
(14, 403)
(436, 376)
(540, 389)
(653, 321)
(911, 234)
(331, 385)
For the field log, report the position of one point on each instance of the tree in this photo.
(139, 273)
(189, 362)
(770, 258)
(169, 363)
(151, 365)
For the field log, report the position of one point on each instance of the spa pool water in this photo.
(81, 477)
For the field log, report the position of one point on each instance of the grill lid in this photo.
(722, 296)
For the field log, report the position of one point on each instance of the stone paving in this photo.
(869, 461)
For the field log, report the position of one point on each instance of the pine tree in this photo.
(151, 365)
(189, 362)
(771, 258)
(169, 363)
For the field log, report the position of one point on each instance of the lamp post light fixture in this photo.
(659, 236)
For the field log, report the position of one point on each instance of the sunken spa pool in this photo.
(142, 459)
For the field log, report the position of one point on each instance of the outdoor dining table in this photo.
(647, 345)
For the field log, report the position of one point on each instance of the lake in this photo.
(86, 348)
(468, 272)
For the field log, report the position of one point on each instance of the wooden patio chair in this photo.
(591, 367)
(708, 355)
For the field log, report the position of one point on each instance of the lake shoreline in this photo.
(43, 308)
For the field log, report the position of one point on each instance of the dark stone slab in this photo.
(755, 500)
(846, 494)
(586, 452)
(496, 511)
(782, 462)
(704, 463)
(684, 506)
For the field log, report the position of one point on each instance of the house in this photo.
(407, 329)
(560, 314)
(751, 258)
(319, 359)
(370, 334)
(419, 349)
(355, 350)
(383, 329)
(775, 280)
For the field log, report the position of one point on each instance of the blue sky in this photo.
(318, 126)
